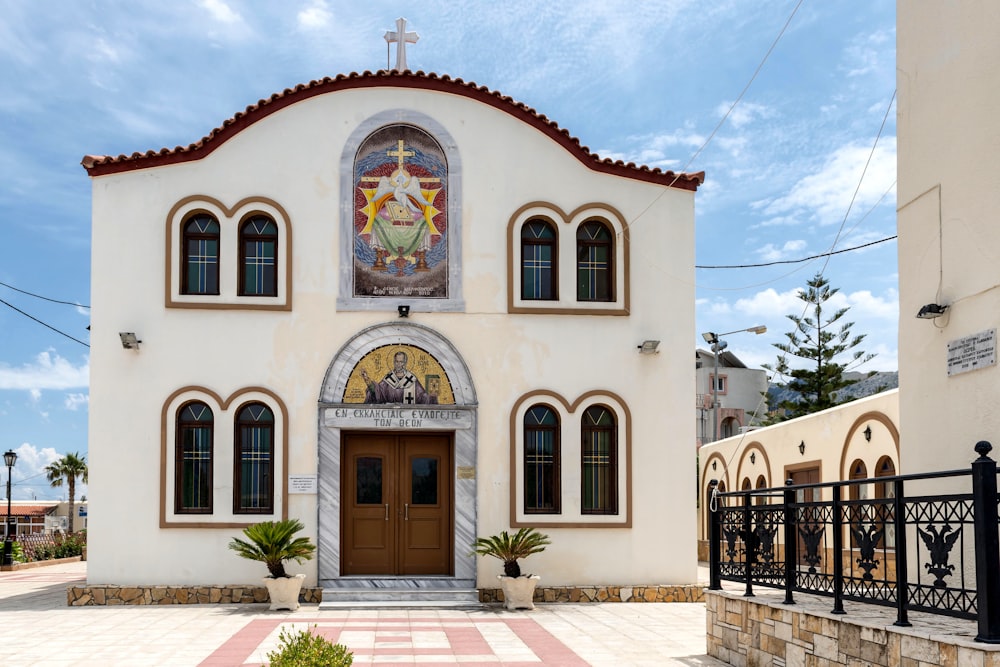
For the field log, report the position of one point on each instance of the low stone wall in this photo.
(762, 632)
(693, 593)
(82, 596)
(39, 563)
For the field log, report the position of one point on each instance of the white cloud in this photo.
(221, 12)
(29, 479)
(744, 113)
(49, 371)
(74, 401)
(316, 16)
(770, 253)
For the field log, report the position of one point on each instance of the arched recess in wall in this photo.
(754, 457)
(858, 424)
(720, 473)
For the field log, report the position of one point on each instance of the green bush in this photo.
(304, 649)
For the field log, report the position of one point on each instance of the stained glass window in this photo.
(258, 257)
(254, 483)
(538, 261)
(193, 460)
(200, 273)
(599, 465)
(541, 461)
(594, 250)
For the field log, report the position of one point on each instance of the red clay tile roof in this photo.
(100, 165)
(26, 510)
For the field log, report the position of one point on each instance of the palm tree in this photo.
(67, 469)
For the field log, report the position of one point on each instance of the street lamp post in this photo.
(9, 459)
(717, 346)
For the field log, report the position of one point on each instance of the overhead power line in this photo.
(792, 261)
(47, 326)
(45, 298)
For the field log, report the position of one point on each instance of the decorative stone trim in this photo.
(692, 593)
(85, 596)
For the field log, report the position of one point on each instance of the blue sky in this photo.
(647, 82)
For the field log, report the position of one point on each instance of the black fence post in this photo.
(791, 542)
(749, 544)
(984, 503)
(902, 583)
(838, 553)
(714, 538)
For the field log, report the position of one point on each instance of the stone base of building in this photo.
(80, 596)
(83, 596)
(692, 593)
(762, 631)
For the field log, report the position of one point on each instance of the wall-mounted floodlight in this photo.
(404, 311)
(129, 340)
(649, 347)
(931, 310)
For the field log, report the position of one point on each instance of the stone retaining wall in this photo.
(692, 593)
(82, 596)
(764, 632)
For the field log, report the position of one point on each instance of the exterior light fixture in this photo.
(129, 340)
(712, 339)
(931, 311)
(802, 447)
(9, 459)
(868, 433)
(753, 457)
(715, 464)
(649, 347)
(404, 311)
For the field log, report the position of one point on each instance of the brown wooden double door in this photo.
(396, 504)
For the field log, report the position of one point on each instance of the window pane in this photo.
(599, 488)
(423, 481)
(255, 473)
(369, 480)
(193, 459)
(593, 262)
(541, 461)
(259, 257)
(201, 256)
(538, 267)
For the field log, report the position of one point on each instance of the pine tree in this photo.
(817, 340)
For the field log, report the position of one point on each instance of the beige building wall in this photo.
(949, 239)
(834, 440)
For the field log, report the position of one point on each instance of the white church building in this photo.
(407, 311)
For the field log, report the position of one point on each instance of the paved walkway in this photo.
(37, 629)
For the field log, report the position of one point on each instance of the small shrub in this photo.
(304, 649)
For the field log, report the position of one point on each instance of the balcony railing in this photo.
(918, 545)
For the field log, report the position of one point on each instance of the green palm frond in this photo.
(272, 543)
(509, 548)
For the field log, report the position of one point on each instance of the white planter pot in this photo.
(518, 592)
(284, 591)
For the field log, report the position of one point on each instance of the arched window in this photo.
(259, 257)
(253, 487)
(539, 261)
(594, 267)
(761, 484)
(886, 490)
(599, 462)
(541, 461)
(193, 459)
(200, 256)
(858, 471)
(730, 427)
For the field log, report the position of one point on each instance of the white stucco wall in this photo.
(293, 158)
(833, 438)
(949, 242)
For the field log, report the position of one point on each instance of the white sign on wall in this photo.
(972, 352)
(301, 484)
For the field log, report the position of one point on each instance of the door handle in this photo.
(406, 511)
(387, 511)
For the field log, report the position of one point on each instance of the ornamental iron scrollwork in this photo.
(811, 534)
(765, 542)
(730, 537)
(868, 540)
(939, 544)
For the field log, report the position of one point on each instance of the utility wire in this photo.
(45, 298)
(792, 261)
(48, 326)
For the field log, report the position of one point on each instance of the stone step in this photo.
(373, 598)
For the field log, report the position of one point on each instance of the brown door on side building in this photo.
(810, 517)
(396, 504)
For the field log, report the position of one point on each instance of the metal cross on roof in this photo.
(401, 38)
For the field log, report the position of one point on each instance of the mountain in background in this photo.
(866, 385)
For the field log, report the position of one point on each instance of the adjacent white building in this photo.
(738, 392)
(406, 310)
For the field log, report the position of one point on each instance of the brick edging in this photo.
(682, 593)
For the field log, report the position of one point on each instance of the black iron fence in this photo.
(906, 541)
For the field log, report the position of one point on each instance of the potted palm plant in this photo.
(272, 543)
(518, 590)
